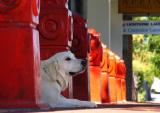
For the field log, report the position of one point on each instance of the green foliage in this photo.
(146, 60)
(141, 96)
(154, 43)
(154, 47)
(144, 18)
(156, 61)
(156, 18)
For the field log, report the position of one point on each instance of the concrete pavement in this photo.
(103, 108)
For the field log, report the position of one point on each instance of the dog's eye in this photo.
(67, 59)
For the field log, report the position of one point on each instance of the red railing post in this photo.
(19, 59)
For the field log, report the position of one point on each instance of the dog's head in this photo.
(63, 65)
(68, 64)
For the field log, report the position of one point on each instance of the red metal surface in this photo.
(19, 67)
(112, 89)
(105, 60)
(95, 59)
(20, 59)
(96, 50)
(95, 85)
(80, 43)
(118, 89)
(122, 69)
(54, 27)
(80, 86)
(104, 76)
(54, 4)
(22, 11)
(104, 88)
(120, 80)
(112, 76)
(80, 47)
(123, 84)
(70, 28)
(112, 64)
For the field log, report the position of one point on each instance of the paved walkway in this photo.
(104, 108)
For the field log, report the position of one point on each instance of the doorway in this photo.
(141, 53)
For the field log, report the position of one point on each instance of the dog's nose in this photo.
(84, 62)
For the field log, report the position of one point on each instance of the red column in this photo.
(123, 79)
(80, 47)
(104, 77)
(118, 80)
(112, 75)
(95, 59)
(54, 27)
(19, 57)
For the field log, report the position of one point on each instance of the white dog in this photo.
(55, 73)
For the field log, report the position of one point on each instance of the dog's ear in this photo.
(51, 70)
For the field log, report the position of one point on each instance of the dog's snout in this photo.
(84, 62)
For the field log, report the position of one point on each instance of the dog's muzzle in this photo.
(84, 65)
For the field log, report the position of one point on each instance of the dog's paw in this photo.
(89, 104)
(93, 105)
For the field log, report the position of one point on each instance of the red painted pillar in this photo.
(104, 76)
(118, 79)
(95, 58)
(112, 75)
(80, 47)
(122, 68)
(19, 57)
(55, 29)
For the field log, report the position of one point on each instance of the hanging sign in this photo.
(141, 27)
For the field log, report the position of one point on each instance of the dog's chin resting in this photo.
(55, 77)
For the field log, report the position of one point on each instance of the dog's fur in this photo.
(55, 74)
